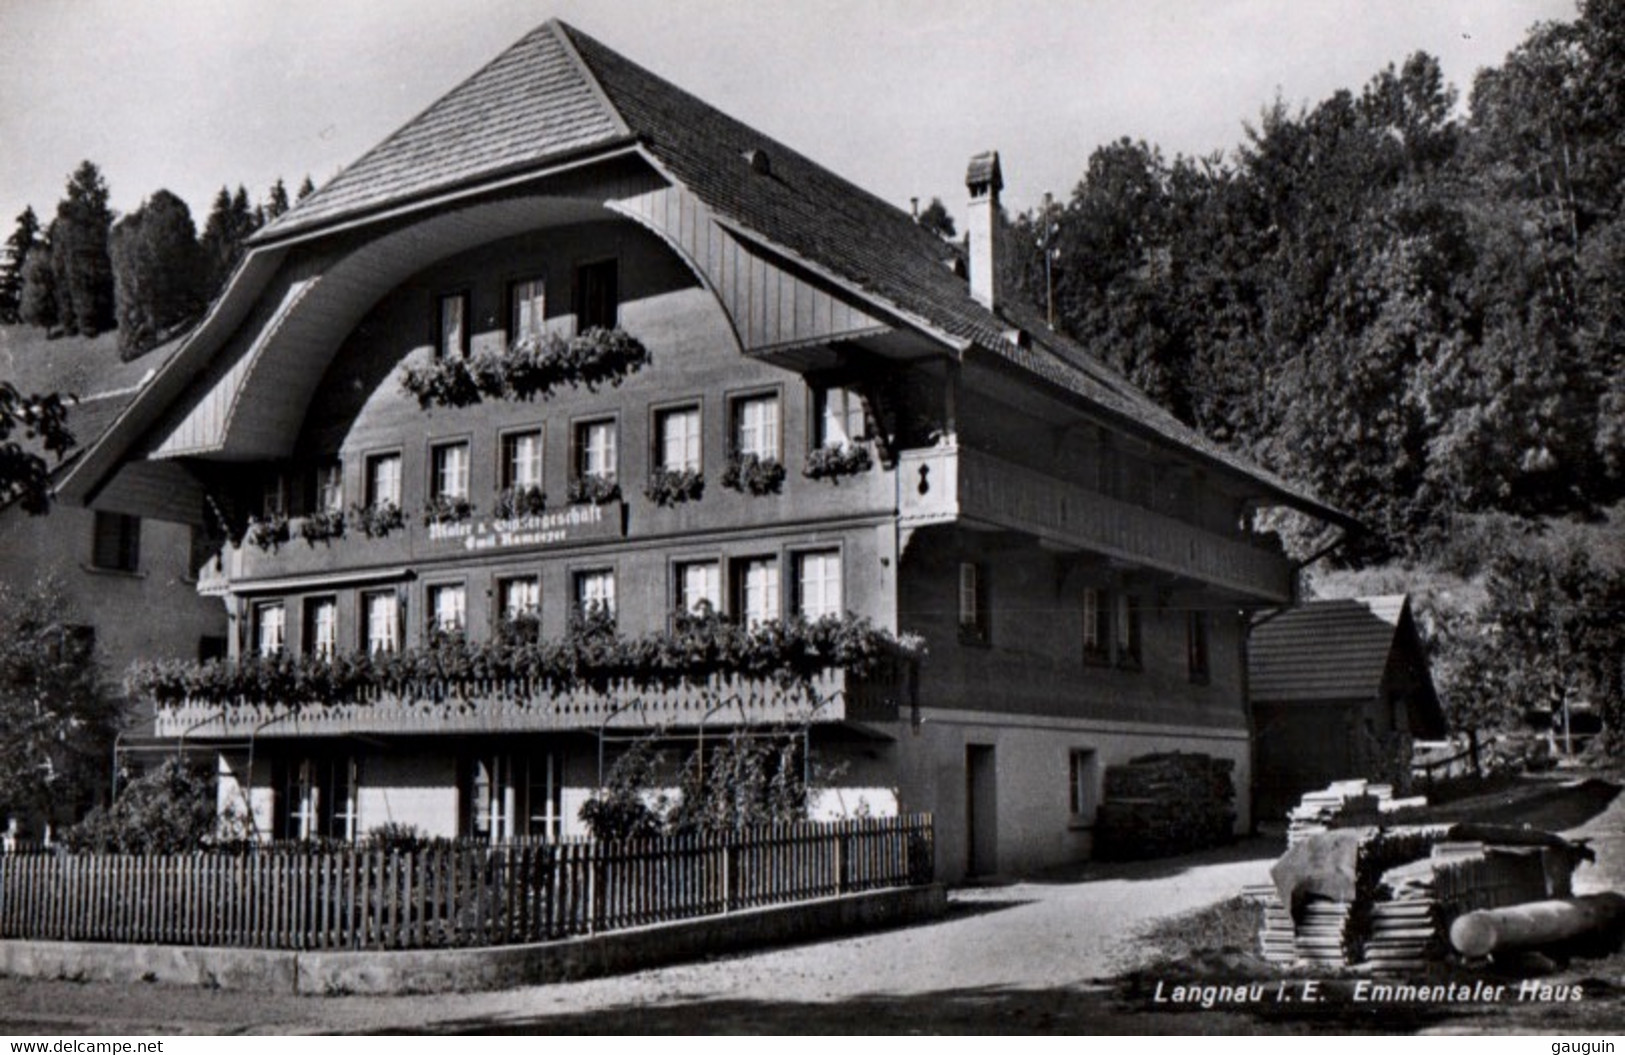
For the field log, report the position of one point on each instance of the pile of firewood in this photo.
(1159, 805)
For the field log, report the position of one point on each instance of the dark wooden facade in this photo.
(1075, 560)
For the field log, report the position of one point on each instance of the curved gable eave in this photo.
(91, 470)
(254, 409)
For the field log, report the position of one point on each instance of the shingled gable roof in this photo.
(559, 93)
(1325, 650)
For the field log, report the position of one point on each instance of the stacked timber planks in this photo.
(1346, 803)
(1275, 938)
(1405, 935)
(1407, 927)
(1328, 933)
(1159, 805)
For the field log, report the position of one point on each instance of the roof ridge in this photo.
(563, 31)
(760, 138)
(302, 212)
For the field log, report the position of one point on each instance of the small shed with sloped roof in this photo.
(1338, 689)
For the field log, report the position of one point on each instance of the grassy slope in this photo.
(77, 365)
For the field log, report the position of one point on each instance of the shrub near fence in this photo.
(462, 894)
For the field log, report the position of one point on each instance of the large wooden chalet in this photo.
(1075, 559)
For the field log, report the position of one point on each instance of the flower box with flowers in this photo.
(267, 533)
(445, 509)
(323, 526)
(532, 368)
(514, 502)
(378, 519)
(753, 474)
(833, 462)
(593, 489)
(668, 487)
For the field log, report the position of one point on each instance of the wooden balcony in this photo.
(944, 485)
(516, 705)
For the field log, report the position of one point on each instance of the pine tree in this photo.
(24, 238)
(306, 189)
(79, 258)
(156, 264)
(230, 222)
(276, 203)
(36, 305)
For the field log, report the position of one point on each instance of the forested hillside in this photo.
(1415, 302)
(1413, 305)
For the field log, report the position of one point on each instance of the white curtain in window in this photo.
(699, 583)
(519, 597)
(819, 584)
(760, 591)
(680, 439)
(384, 479)
(324, 627)
(596, 590)
(382, 617)
(598, 449)
(271, 620)
(528, 303)
(448, 607)
(451, 471)
(759, 427)
(524, 462)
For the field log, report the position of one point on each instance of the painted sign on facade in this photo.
(578, 523)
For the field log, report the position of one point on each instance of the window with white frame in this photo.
(1082, 779)
(488, 806)
(838, 413)
(973, 621)
(522, 459)
(270, 628)
(595, 591)
(450, 467)
(529, 303)
(1097, 645)
(677, 433)
(518, 596)
(451, 339)
(818, 584)
(330, 488)
(699, 583)
(448, 608)
(756, 426)
(756, 590)
(384, 479)
(595, 449)
(511, 796)
(543, 814)
(322, 627)
(316, 798)
(381, 613)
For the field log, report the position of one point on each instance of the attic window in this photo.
(759, 162)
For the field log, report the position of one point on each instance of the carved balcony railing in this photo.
(510, 705)
(944, 485)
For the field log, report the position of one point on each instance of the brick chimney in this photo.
(984, 181)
